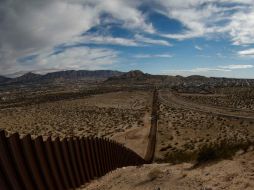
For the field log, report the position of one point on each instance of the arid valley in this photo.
(200, 131)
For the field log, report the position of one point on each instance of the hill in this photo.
(61, 75)
(4, 79)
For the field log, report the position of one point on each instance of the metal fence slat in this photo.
(53, 164)
(74, 162)
(60, 162)
(7, 164)
(91, 143)
(16, 149)
(86, 157)
(41, 156)
(4, 184)
(79, 160)
(29, 154)
(67, 161)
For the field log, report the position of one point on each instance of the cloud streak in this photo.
(153, 56)
(246, 53)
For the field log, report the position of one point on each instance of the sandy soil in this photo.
(183, 130)
(235, 174)
(102, 115)
(137, 137)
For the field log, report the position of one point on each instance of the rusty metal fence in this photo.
(35, 164)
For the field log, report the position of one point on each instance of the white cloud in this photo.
(153, 56)
(232, 67)
(34, 26)
(146, 40)
(71, 58)
(241, 27)
(213, 71)
(247, 52)
(96, 39)
(138, 40)
(211, 18)
(198, 47)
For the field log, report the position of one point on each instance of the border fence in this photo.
(150, 151)
(31, 164)
(37, 164)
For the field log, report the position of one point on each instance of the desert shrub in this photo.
(222, 150)
(206, 153)
(154, 173)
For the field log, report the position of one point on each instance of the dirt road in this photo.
(168, 97)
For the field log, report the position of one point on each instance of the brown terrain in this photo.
(205, 136)
(233, 174)
(185, 127)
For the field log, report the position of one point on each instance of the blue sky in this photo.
(174, 37)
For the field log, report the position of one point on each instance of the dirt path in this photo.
(136, 138)
(169, 97)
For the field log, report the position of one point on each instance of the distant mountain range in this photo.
(61, 75)
(135, 77)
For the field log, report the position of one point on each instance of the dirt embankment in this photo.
(235, 174)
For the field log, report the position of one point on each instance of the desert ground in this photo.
(234, 174)
(204, 141)
(103, 115)
(187, 127)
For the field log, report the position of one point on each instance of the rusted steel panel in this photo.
(61, 164)
(4, 184)
(107, 155)
(86, 160)
(98, 156)
(34, 164)
(102, 156)
(116, 155)
(74, 162)
(30, 157)
(91, 143)
(43, 163)
(79, 160)
(18, 157)
(67, 161)
(7, 165)
(53, 164)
